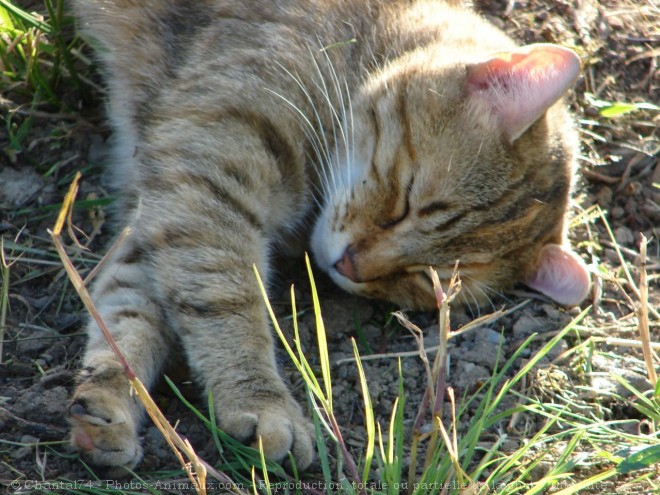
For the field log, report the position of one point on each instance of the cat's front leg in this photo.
(231, 352)
(105, 416)
(206, 286)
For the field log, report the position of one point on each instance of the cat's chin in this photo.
(406, 290)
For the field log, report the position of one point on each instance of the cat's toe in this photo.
(282, 430)
(103, 431)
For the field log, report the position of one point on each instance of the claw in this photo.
(81, 413)
(77, 410)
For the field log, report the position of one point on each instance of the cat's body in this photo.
(390, 124)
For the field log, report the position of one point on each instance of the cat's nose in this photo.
(346, 265)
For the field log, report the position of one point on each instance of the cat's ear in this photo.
(521, 84)
(561, 275)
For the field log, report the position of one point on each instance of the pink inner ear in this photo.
(520, 85)
(561, 275)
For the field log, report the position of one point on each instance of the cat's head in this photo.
(468, 162)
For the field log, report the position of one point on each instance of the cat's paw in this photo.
(103, 426)
(282, 427)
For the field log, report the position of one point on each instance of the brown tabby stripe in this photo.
(404, 114)
(434, 207)
(275, 141)
(225, 196)
(373, 167)
(173, 236)
(198, 310)
(238, 174)
(220, 193)
(210, 309)
(133, 256)
(178, 22)
(133, 314)
(556, 192)
(450, 222)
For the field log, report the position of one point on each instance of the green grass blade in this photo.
(27, 18)
(264, 470)
(322, 340)
(369, 416)
(6, 23)
(322, 451)
(276, 324)
(619, 108)
(576, 488)
(641, 459)
(214, 426)
(308, 375)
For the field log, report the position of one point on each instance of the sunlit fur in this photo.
(241, 124)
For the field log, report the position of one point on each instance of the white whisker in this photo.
(335, 119)
(316, 138)
(477, 311)
(339, 118)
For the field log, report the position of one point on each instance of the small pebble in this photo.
(611, 255)
(509, 446)
(604, 197)
(493, 337)
(540, 470)
(21, 453)
(552, 311)
(526, 325)
(624, 236)
(617, 212)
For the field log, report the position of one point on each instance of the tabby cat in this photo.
(399, 133)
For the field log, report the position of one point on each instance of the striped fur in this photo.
(239, 125)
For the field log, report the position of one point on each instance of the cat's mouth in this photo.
(346, 275)
(346, 268)
(409, 287)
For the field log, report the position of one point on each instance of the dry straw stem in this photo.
(642, 294)
(631, 283)
(195, 467)
(643, 315)
(436, 376)
(614, 341)
(439, 371)
(4, 295)
(452, 448)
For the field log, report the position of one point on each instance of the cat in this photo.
(401, 133)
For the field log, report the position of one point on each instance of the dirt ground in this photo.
(619, 43)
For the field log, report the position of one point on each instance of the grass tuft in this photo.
(39, 54)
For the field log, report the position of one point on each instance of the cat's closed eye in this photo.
(434, 207)
(403, 211)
